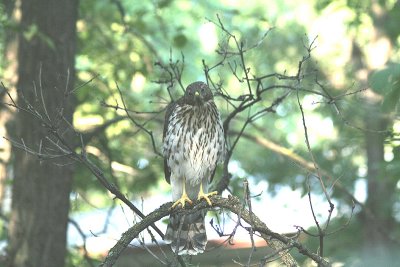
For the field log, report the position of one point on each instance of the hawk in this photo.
(193, 146)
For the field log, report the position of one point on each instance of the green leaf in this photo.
(383, 80)
(30, 32)
(180, 40)
(392, 98)
(164, 3)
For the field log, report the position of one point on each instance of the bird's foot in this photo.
(206, 196)
(184, 198)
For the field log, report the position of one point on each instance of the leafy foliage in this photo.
(124, 44)
(130, 37)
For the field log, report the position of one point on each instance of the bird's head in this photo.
(197, 94)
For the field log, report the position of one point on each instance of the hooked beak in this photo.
(198, 98)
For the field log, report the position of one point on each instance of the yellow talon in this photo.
(205, 196)
(184, 198)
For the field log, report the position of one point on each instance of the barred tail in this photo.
(187, 233)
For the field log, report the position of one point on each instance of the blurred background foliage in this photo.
(120, 41)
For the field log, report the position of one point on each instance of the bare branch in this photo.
(232, 204)
(68, 150)
(141, 126)
(88, 259)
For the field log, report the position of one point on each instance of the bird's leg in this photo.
(184, 198)
(205, 196)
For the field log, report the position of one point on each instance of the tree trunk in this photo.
(41, 190)
(377, 244)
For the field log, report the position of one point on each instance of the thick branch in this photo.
(233, 204)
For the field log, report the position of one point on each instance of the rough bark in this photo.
(278, 242)
(41, 190)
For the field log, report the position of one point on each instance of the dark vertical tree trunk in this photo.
(41, 189)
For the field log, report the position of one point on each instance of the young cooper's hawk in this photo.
(193, 146)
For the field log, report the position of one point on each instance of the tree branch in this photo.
(233, 204)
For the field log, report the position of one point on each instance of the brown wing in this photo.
(168, 112)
